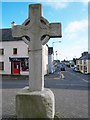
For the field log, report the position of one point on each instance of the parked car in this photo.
(62, 67)
(76, 69)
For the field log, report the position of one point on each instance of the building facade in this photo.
(14, 53)
(83, 63)
(50, 60)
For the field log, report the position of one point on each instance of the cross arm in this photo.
(45, 40)
(55, 30)
(18, 31)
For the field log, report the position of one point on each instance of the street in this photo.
(71, 93)
(72, 80)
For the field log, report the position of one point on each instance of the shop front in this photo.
(19, 65)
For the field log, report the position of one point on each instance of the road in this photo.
(71, 93)
(73, 80)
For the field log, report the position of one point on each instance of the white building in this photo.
(50, 60)
(14, 55)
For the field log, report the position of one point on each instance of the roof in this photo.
(84, 53)
(85, 57)
(6, 35)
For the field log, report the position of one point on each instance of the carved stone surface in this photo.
(35, 101)
(36, 31)
(40, 104)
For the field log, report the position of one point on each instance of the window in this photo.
(1, 65)
(84, 61)
(80, 61)
(14, 51)
(25, 65)
(1, 51)
(85, 68)
(81, 67)
(78, 67)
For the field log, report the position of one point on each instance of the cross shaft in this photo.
(38, 30)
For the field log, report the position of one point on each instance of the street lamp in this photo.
(53, 47)
(55, 42)
(56, 55)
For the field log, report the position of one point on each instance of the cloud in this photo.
(60, 4)
(62, 0)
(58, 1)
(76, 28)
(57, 5)
(75, 39)
(84, 1)
(72, 51)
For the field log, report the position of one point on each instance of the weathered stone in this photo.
(40, 104)
(35, 101)
(36, 31)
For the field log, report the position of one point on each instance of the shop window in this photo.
(1, 51)
(1, 65)
(14, 51)
(24, 65)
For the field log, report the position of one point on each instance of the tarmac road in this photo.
(71, 93)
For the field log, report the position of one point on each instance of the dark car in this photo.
(76, 69)
(62, 68)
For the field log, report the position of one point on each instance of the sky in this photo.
(73, 15)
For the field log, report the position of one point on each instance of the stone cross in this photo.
(36, 31)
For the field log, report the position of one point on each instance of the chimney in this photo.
(84, 53)
(13, 23)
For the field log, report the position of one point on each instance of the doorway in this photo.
(15, 68)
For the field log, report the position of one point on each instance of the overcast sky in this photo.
(72, 15)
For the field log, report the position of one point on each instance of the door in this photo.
(16, 68)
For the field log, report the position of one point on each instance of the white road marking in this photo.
(71, 85)
(85, 80)
(79, 77)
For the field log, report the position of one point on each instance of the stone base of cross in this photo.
(37, 104)
(36, 31)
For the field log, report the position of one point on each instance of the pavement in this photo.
(71, 93)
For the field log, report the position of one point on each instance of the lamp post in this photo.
(56, 55)
(53, 47)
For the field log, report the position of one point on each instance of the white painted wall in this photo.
(45, 55)
(22, 51)
(50, 63)
(89, 43)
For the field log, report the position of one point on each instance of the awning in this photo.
(18, 58)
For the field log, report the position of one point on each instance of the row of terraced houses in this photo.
(83, 63)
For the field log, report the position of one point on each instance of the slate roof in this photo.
(85, 57)
(6, 35)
